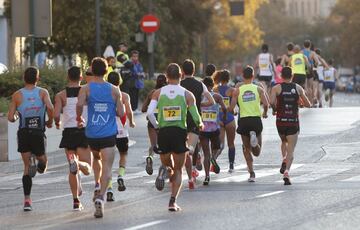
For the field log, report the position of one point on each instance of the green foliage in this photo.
(54, 80)
(4, 104)
(149, 85)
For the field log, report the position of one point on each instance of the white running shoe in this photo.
(253, 139)
(99, 208)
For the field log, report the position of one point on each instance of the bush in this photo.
(4, 105)
(54, 80)
(148, 86)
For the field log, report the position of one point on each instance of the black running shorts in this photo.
(214, 138)
(73, 138)
(288, 130)
(31, 141)
(122, 144)
(299, 79)
(172, 139)
(247, 124)
(101, 143)
(265, 78)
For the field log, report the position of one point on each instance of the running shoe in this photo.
(198, 162)
(252, 177)
(96, 193)
(110, 195)
(192, 184)
(173, 207)
(160, 179)
(99, 208)
(327, 95)
(286, 179)
(283, 167)
(149, 165)
(215, 165)
(253, 139)
(33, 167)
(27, 205)
(206, 181)
(231, 168)
(77, 206)
(121, 184)
(194, 173)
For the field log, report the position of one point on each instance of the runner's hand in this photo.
(49, 124)
(264, 115)
(132, 124)
(80, 122)
(57, 124)
(201, 126)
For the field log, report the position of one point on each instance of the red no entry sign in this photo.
(149, 23)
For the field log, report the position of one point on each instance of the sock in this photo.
(110, 184)
(76, 200)
(231, 155)
(121, 171)
(27, 184)
(172, 200)
(97, 186)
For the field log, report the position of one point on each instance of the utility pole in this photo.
(97, 27)
(150, 42)
(32, 31)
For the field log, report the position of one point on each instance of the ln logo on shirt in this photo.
(248, 96)
(100, 117)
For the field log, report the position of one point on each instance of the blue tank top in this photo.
(101, 120)
(229, 116)
(307, 54)
(31, 110)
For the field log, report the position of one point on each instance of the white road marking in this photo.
(53, 198)
(352, 179)
(152, 223)
(269, 194)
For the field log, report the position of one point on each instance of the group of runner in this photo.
(186, 117)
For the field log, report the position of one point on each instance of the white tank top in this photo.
(329, 75)
(264, 64)
(69, 112)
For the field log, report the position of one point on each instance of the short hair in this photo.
(135, 52)
(173, 71)
(307, 43)
(318, 51)
(74, 73)
(188, 67)
(278, 61)
(31, 75)
(99, 66)
(297, 48)
(160, 81)
(286, 72)
(265, 48)
(290, 46)
(248, 72)
(210, 69)
(208, 82)
(114, 78)
(225, 75)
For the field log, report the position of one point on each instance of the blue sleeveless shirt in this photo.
(227, 100)
(101, 122)
(31, 110)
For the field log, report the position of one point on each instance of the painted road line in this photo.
(352, 179)
(152, 223)
(269, 194)
(53, 198)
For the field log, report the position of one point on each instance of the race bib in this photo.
(226, 101)
(327, 78)
(33, 122)
(263, 66)
(172, 113)
(209, 115)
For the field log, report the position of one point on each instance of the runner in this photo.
(330, 76)
(298, 62)
(249, 96)
(104, 103)
(200, 91)
(29, 105)
(152, 132)
(211, 131)
(73, 139)
(284, 101)
(210, 70)
(311, 56)
(278, 70)
(173, 102)
(227, 122)
(319, 80)
(265, 65)
(122, 138)
(285, 59)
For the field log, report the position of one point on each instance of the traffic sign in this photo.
(149, 23)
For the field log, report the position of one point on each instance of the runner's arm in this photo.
(49, 108)
(147, 102)
(151, 109)
(12, 117)
(274, 93)
(120, 110)
(264, 100)
(303, 97)
(283, 58)
(210, 99)
(190, 101)
(233, 101)
(57, 110)
(256, 63)
(273, 65)
(129, 112)
(80, 105)
(219, 100)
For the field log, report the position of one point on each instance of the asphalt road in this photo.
(325, 193)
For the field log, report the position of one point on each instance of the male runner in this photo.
(330, 76)
(285, 59)
(249, 96)
(284, 101)
(29, 105)
(122, 138)
(173, 103)
(104, 103)
(298, 62)
(265, 65)
(73, 138)
(200, 91)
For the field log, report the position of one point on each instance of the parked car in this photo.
(3, 68)
(345, 82)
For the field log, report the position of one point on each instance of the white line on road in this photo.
(53, 197)
(141, 226)
(269, 194)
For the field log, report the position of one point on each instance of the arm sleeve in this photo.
(195, 114)
(150, 113)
